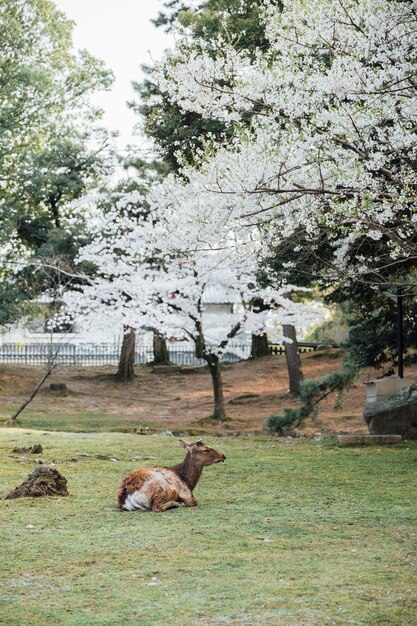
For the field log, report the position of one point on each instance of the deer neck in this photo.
(189, 471)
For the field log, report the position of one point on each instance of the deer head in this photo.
(202, 454)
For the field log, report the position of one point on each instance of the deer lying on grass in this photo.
(162, 488)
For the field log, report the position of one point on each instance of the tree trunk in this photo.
(260, 346)
(213, 363)
(126, 369)
(160, 350)
(295, 374)
(33, 394)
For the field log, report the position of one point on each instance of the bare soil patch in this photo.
(179, 399)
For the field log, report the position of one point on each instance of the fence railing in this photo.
(303, 346)
(103, 354)
(108, 354)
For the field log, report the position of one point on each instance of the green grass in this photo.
(85, 421)
(286, 533)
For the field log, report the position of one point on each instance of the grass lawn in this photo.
(287, 532)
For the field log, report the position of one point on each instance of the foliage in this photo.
(11, 298)
(52, 178)
(44, 89)
(312, 392)
(50, 145)
(174, 132)
(178, 133)
(172, 9)
(44, 86)
(240, 21)
(290, 417)
(332, 331)
(49, 271)
(371, 315)
(331, 150)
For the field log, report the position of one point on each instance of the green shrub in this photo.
(312, 392)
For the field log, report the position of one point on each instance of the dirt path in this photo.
(181, 399)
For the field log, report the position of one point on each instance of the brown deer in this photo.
(162, 488)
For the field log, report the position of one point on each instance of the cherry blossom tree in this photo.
(154, 271)
(331, 150)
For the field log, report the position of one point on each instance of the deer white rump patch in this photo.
(136, 501)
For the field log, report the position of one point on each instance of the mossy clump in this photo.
(44, 481)
(36, 449)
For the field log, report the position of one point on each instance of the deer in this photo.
(158, 489)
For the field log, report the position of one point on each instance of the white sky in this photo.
(120, 33)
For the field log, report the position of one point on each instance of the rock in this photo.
(395, 415)
(44, 481)
(142, 430)
(107, 457)
(36, 449)
(166, 433)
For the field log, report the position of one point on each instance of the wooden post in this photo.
(400, 333)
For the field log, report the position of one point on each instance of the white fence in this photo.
(103, 354)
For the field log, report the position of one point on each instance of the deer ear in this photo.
(200, 442)
(185, 444)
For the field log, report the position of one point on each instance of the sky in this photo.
(120, 33)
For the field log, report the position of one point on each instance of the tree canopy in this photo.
(44, 96)
(50, 142)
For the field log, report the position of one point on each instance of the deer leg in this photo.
(187, 498)
(159, 507)
(190, 502)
